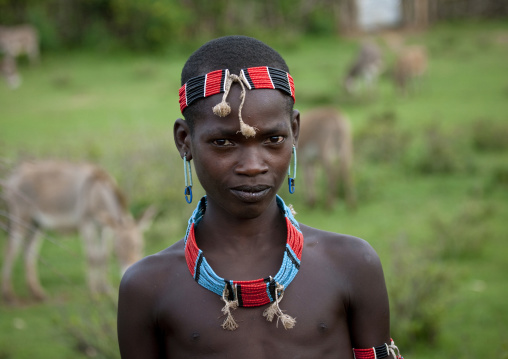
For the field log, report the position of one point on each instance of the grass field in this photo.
(431, 172)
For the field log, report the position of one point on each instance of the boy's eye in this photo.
(275, 139)
(222, 142)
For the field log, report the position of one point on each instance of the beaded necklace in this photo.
(250, 293)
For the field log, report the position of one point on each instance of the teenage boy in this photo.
(248, 280)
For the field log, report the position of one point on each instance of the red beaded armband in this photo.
(378, 352)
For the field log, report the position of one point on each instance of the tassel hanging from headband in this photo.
(220, 81)
(223, 108)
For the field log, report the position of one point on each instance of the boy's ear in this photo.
(295, 125)
(181, 133)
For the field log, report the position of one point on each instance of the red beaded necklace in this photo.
(250, 293)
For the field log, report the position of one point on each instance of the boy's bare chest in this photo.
(190, 317)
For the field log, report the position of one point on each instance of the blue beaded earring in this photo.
(188, 178)
(291, 180)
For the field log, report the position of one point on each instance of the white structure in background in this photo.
(377, 14)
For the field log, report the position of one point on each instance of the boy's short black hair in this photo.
(229, 52)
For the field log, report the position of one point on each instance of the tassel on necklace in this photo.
(274, 310)
(229, 323)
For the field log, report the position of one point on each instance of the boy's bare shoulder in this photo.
(339, 248)
(155, 270)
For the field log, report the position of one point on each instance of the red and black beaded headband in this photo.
(262, 77)
(219, 81)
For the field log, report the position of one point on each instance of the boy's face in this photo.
(242, 175)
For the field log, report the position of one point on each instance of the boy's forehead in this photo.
(263, 108)
(261, 102)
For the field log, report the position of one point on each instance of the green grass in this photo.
(446, 229)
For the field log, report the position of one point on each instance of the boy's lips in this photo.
(250, 193)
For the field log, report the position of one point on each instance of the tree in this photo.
(415, 13)
(347, 16)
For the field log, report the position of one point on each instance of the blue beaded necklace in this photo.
(247, 293)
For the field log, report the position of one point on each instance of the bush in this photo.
(439, 152)
(91, 328)
(465, 234)
(417, 284)
(380, 140)
(499, 178)
(149, 24)
(488, 135)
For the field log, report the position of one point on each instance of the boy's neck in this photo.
(219, 229)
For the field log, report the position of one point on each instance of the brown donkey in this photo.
(62, 196)
(410, 66)
(20, 40)
(325, 141)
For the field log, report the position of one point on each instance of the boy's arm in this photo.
(137, 335)
(369, 308)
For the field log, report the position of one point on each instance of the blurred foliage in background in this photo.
(159, 24)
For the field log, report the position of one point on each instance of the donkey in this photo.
(16, 41)
(325, 140)
(410, 65)
(365, 69)
(20, 40)
(61, 196)
(9, 70)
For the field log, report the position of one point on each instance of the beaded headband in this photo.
(220, 81)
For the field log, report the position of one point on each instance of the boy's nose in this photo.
(251, 163)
